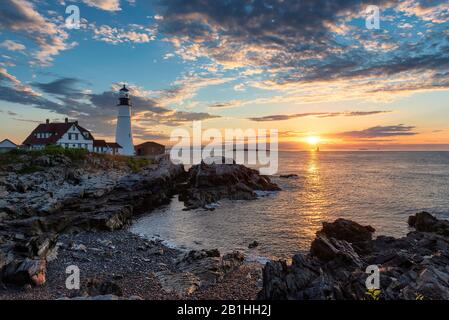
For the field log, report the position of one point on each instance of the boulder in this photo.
(425, 222)
(25, 272)
(347, 230)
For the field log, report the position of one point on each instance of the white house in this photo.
(7, 145)
(68, 135)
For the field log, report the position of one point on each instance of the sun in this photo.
(313, 140)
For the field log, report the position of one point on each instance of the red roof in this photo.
(114, 145)
(100, 144)
(151, 143)
(56, 129)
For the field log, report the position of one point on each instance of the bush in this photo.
(29, 170)
(136, 164)
(73, 154)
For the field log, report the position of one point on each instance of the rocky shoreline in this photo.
(48, 200)
(58, 211)
(415, 267)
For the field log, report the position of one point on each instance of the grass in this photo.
(29, 170)
(21, 156)
(16, 156)
(136, 164)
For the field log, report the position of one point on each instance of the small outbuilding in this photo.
(150, 149)
(7, 145)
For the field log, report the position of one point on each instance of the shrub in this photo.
(136, 164)
(29, 170)
(73, 154)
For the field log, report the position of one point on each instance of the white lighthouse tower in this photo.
(124, 134)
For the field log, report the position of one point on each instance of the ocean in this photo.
(380, 189)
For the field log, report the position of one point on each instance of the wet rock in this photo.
(288, 176)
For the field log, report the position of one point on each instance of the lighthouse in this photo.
(124, 134)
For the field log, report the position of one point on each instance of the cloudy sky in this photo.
(306, 68)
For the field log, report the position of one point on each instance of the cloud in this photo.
(12, 45)
(283, 117)
(298, 43)
(226, 105)
(108, 5)
(63, 87)
(21, 17)
(379, 132)
(97, 111)
(115, 35)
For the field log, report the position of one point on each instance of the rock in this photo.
(425, 222)
(253, 245)
(328, 249)
(79, 247)
(411, 267)
(288, 176)
(208, 183)
(347, 230)
(197, 269)
(97, 287)
(3, 216)
(25, 272)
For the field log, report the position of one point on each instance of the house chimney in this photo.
(66, 120)
(48, 121)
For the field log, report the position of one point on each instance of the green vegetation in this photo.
(29, 170)
(11, 157)
(73, 154)
(21, 156)
(25, 157)
(136, 164)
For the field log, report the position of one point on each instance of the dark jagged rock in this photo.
(411, 267)
(25, 272)
(208, 183)
(425, 222)
(288, 176)
(347, 230)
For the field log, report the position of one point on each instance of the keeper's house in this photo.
(68, 135)
(7, 145)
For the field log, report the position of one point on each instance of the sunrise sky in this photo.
(306, 68)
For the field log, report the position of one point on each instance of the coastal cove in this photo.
(62, 208)
(377, 188)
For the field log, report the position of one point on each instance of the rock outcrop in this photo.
(208, 183)
(97, 194)
(413, 267)
(199, 269)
